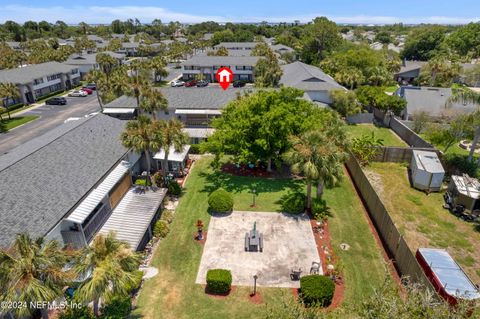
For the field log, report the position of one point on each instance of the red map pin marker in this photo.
(224, 77)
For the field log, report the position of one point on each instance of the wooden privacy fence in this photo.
(404, 259)
(400, 154)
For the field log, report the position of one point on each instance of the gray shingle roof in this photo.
(237, 45)
(188, 98)
(87, 59)
(222, 60)
(45, 178)
(307, 77)
(433, 101)
(29, 73)
(408, 66)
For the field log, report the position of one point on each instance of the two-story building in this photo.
(241, 66)
(37, 80)
(87, 62)
(74, 182)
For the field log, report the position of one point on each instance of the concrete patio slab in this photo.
(288, 244)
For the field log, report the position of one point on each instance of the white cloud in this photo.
(104, 14)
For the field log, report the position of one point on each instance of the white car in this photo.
(176, 83)
(78, 93)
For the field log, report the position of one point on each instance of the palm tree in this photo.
(106, 63)
(465, 95)
(108, 265)
(153, 100)
(101, 82)
(173, 136)
(157, 64)
(8, 91)
(144, 136)
(137, 82)
(31, 271)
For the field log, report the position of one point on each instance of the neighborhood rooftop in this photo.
(307, 77)
(222, 60)
(31, 72)
(38, 189)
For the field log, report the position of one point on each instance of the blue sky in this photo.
(341, 11)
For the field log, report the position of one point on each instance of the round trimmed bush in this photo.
(293, 203)
(220, 201)
(161, 229)
(174, 188)
(317, 290)
(219, 281)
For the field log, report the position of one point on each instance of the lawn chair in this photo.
(295, 275)
(315, 269)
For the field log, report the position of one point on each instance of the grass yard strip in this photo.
(388, 136)
(422, 219)
(173, 292)
(8, 124)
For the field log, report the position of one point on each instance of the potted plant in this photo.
(200, 229)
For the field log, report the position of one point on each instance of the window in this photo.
(75, 71)
(54, 77)
(167, 112)
(38, 81)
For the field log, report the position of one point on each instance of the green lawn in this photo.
(6, 124)
(422, 219)
(173, 292)
(388, 136)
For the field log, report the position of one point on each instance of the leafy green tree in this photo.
(257, 126)
(222, 51)
(345, 102)
(143, 136)
(370, 96)
(465, 40)
(439, 72)
(383, 37)
(267, 70)
(32, 271)
(366, 147)
(321, 37)
(424, 42)
(8, 91)
(109, 266)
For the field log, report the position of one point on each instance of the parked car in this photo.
(202, 83)
(78, 93)
(91, 86)
(239, 84)
(89, 91)
(191, 83)
(56, 101)
(176, 83)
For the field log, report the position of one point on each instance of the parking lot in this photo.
(50, 116)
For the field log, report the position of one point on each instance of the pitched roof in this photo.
(188, 98)
(90, 58)
(242, 45)
(34, 71)
(222, 60)
(408, 66)
(281, 47)
(43, 179)
(307, 77)
(432, 100)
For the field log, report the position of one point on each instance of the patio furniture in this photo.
(295, 275)
(315, 269)
(254, 240)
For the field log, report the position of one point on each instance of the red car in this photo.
(87, 90)
(191, 83)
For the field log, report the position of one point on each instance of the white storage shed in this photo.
(427, 171)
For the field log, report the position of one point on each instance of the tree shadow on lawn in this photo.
(238, 184)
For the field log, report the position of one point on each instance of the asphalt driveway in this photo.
(50, 116)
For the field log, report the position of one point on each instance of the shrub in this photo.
(77, 313)
(220, 201)
(320, 210)
(141, 181)
(157, 179)
(316, 290)
(293, 203)
(459, 164)
(161, 229)
(119, 307)
(195, 149)
(167, 215)
(174, 188)
(219, 281)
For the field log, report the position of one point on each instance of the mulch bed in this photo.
(256, 299)
(244, 170)
(219, 296)
(201, 242)
(323, 242)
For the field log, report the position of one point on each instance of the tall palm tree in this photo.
(173, 136)
(106, 63)
(108, 265)
(157, 64)
(144, 136)
(465, 95)
(153, 100)
(31, 271)
(8, 91)
(101, 83)
(136, 82)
